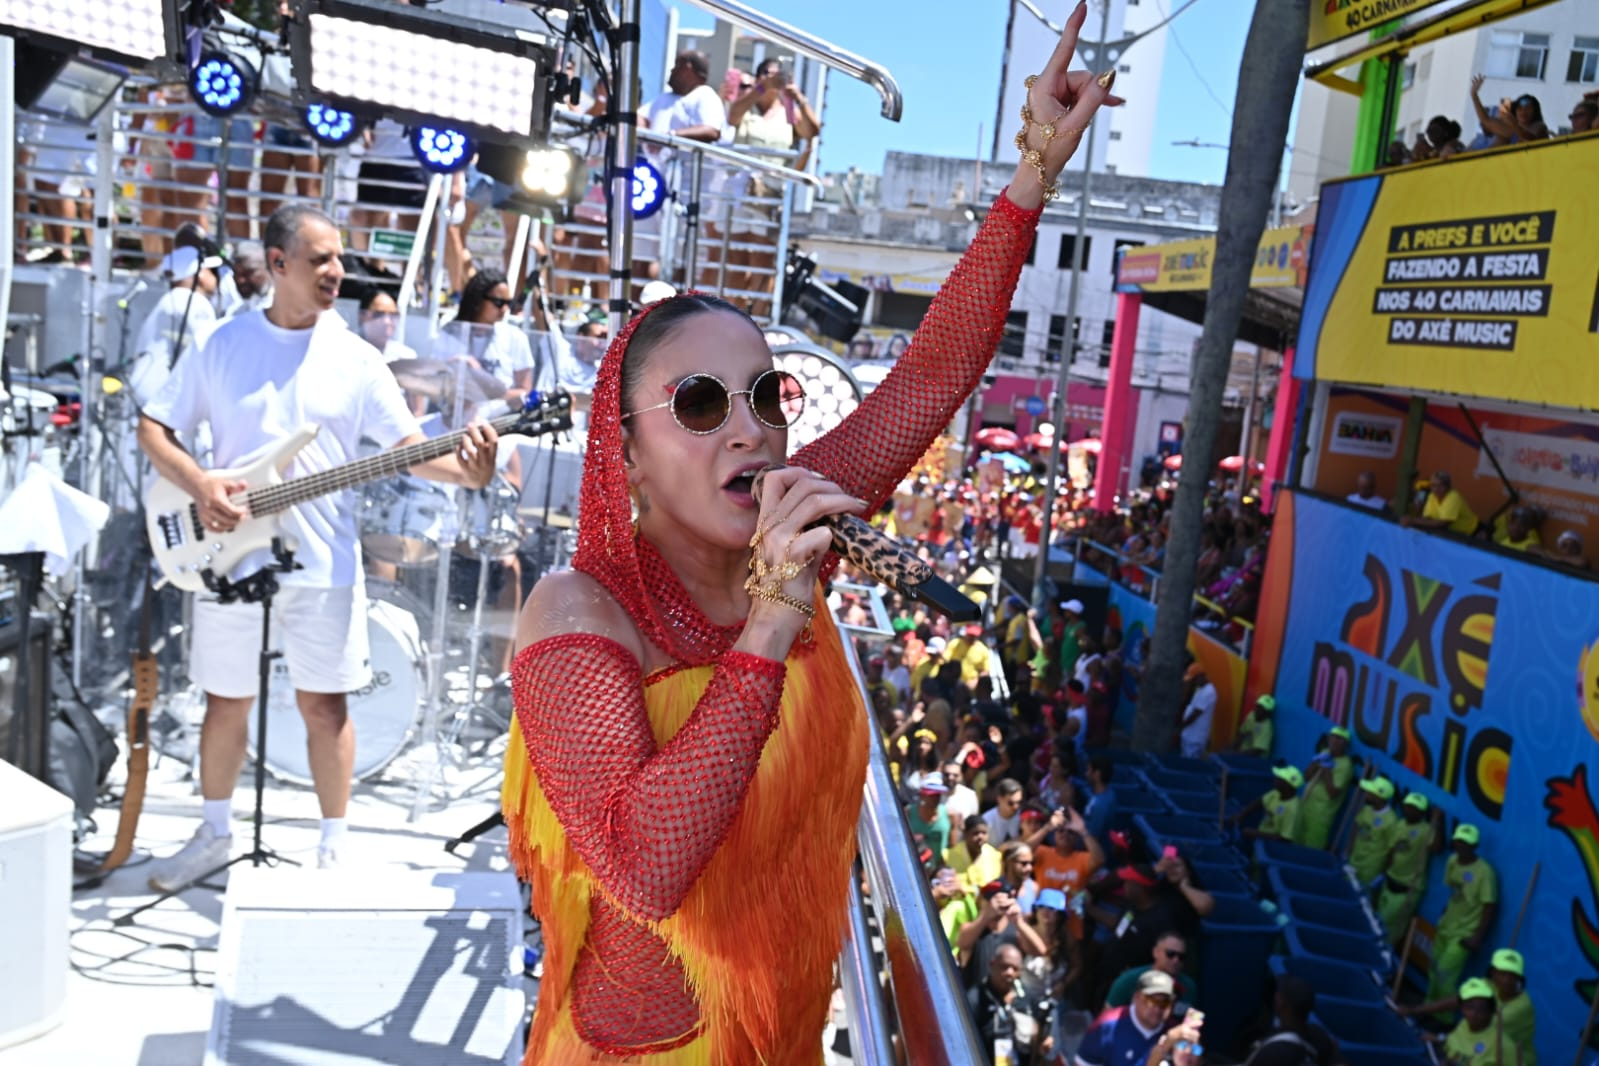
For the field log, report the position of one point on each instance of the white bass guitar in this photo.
(191, 556)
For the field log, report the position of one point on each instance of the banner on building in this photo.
(1335, 20)
(1373, 436)
(1472, 277)
(1185, 266)
(1469, 676)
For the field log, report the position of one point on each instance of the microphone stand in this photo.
(260, 587)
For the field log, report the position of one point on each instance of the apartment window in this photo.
(1068, 244)
(1407, 76)
(1106, 335)
(1512, 54)
(1013, 344)
(1058, 342)
(1126, 68)
(1584, 65)
(1424, 67)
(1116, 253)
(1115, 135)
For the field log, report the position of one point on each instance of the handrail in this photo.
(813, 46)
(1125, 560)
(935, 1025)
(740, 158)
(870, 1035)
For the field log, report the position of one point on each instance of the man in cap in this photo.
(1255, 732)
(1021, 639)
(1331, 773)
(1478, 1039)
(971, 651)
(1281, 804)
(1415, 841)
(1071, 636)
(1199, 714)
(1143, 1031)
(929, 665)
(928, 819)
(1507, 975)
(1469, 914)
(179, 322)
(1375, 825)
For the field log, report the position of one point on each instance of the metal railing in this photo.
(926, 1006)
(1151, 590)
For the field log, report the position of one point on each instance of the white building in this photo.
(1550, 53)
(1122, 141)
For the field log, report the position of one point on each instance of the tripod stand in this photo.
(260, 587)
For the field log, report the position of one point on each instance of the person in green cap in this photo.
(1331, 773)
(1375, 824)
(1415, 841)
(1507, 975)
(1469, 914)
(1477, 1040)
(1255, 731)
(1282, 807)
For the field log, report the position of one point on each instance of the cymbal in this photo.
(438, 379)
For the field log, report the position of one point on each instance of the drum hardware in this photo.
(259, 587)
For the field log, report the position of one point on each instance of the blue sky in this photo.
(946, 57)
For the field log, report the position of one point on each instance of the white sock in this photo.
(218, 814)
(333, 830)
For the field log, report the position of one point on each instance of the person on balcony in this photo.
(1445, 509)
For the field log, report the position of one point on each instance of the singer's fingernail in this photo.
(1107, 79)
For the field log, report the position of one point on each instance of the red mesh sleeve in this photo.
(646, 819)
(871, 450)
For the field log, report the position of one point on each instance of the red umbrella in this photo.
(1234, 463)
(997, 438)
(1091, 445)
(1042, 441)
(1173, 462)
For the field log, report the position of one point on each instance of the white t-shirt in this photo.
(501, 349)
(256, 384)
(160, 332)
(670, 112)
(1001, 829)
(961, 805)
(1197, 733)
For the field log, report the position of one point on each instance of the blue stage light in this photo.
(330, 126)
(441, 150)
(649, 189)
(222, 83)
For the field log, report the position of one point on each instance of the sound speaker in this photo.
(385, 965)
(24, 695)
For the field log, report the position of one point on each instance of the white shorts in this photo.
(321, 632)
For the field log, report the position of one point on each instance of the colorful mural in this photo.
(1454, 668)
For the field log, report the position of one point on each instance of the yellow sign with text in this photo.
(1185, 266)
(1334, 20)
(1475, 277)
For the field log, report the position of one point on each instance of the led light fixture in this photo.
(441, 150)
(330, 126)
(831, 391)
(132, 28)
(649, 189)
(423, 67)
(222, 83)
(548, 173)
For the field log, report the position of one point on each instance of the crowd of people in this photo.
(1513, 120)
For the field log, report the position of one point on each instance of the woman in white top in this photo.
(480, 333)
(771, 113)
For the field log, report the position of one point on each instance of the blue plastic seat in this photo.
(1359, 1028)
(1330, 978)
(1230, 880)
(1297, 881)
(1362, 950)
(1327, 913)
(1171, 761)
(1279, 853)
(1236, 939)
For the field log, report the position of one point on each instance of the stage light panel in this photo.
(330, 126)
(405, 70)
(831, 391)
(222, 83)
(132, 28)
(548, 172)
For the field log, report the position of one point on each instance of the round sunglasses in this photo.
(701, 403)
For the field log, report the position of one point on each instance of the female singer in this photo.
(687, 765)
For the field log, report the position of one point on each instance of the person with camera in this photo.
(1013, 1019)
(999, 923)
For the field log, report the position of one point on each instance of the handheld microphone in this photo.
(889, 563)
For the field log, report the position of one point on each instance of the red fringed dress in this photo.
(688, 835)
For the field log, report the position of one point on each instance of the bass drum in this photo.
(384, 712)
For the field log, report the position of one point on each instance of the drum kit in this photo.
(439, 649)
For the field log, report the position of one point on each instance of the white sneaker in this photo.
(204, 852)
(327, 857)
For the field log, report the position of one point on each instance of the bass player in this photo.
(258, 378)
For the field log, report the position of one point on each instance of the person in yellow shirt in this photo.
(1446, 508)
(971, 651)
(1517, 530)
(1478, 1039)
(1255, 733)
(968, 866)
(1281, 804)
(1375, 825)
(927, 667)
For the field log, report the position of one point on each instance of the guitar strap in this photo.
(146, 685)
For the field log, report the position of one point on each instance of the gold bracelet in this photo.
(1034, 157)
(769, 592)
